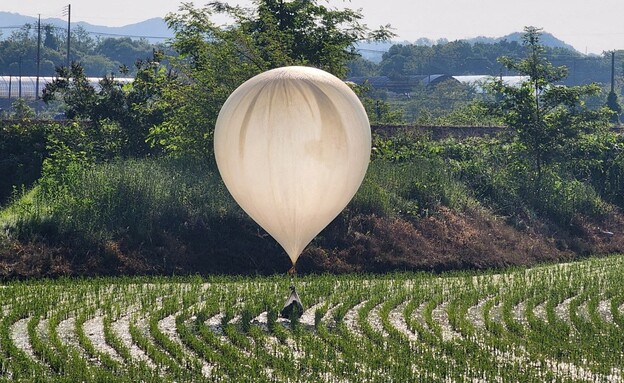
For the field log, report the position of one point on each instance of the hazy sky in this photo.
(589, 26)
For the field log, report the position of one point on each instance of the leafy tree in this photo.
(548, 119)
(214, 60)
(124, 50)
(81, 42)
(128, 106)
(98, 65)
(18, 51)
(21, 110)
(50, 40)
(72, 85)
(359, 66)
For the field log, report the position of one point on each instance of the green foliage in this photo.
(472, 113)
(157, 201)
(214, 60)
(548, 119)
(407, 178)
(412, 175)
(136, 199)
(70, 148)
(22, 150)
(20, 110)
(614, 106)
(489, 167)
(563, 199)
(126, 108)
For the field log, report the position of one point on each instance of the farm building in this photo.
(478, 81)
(402, 84)
(407, 83)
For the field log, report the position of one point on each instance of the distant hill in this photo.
(154, 30)
(548, 39)
(374, 51)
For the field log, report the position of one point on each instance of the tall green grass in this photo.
(144, 200)
(133, 198)
(498, 179)
(411, 188)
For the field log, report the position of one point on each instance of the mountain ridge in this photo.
(153, 29)
(374, 51)
(156, 30)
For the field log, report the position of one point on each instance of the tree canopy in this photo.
(98, 56)
(213, 60)
(548, 119)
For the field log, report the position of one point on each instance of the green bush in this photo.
(371, 198)
(138, 199)
(22, 150)
(491, 169)
(563, 199)
(411, 188)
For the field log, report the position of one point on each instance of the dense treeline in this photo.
(129, 183)
(463, 58)
(98, 56)
(103, 56)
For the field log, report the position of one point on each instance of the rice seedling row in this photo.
(559, 323)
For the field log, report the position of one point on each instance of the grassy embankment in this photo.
(424, 205)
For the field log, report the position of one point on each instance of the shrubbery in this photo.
(178, 209)
(134, 198)
(421, 174)
(22, 150)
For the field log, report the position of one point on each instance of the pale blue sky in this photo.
(590, 26)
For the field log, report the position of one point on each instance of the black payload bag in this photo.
(293, 305)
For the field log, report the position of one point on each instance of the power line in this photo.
(126, 35)
(92, 32)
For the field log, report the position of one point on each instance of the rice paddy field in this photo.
(557, 323)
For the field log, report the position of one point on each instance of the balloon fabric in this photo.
(292, 145)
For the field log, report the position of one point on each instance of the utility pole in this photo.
(612, 101)
(612, 71)
(38, 56)
(68, 11)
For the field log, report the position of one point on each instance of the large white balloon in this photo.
(292, 145)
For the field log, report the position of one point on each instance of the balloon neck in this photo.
(292, 271)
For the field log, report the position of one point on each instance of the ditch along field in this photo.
(560, 323)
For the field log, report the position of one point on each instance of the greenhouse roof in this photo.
(26, 86)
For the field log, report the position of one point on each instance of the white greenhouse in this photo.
(13, 87)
